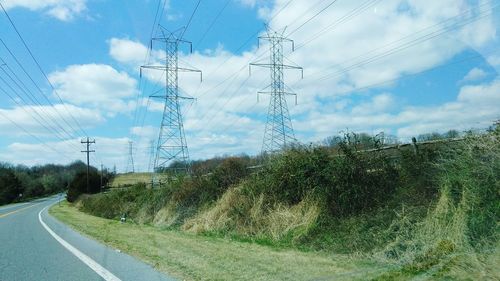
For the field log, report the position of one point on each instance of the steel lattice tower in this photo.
(152, 153)
(279, 131)
(130, 161)
(171, 147)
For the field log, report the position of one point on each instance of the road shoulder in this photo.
(125, 267)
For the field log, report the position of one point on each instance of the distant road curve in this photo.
(35, 246)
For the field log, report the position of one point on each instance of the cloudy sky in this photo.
(404, 67)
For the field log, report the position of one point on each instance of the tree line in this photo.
(21, 183)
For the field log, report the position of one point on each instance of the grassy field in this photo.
(194, 257)
(122, 180)
(129, 179)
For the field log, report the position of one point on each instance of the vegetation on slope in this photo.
(427, 210)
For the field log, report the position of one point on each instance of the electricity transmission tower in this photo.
(88, 142)
(171, 147)
(130, 161)
(279, 131)
(152, 150)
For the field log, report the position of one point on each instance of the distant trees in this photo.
(10, 188)
(451, 134)
(42, 180)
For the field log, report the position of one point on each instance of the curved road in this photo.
(29, 251)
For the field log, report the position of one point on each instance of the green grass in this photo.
(194, 257)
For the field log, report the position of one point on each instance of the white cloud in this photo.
(484, 94)
(148, 132)
(47, 120)
(127, 51)
(374, 46)
(174, 17)
(64, 10)
(494, 60)
(111, 151)
(378, 104)
(248, 3)
(96, 85)
(475, 74)
(475, 106)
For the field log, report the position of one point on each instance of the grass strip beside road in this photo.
(194, 257)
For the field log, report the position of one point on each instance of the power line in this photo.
(399, 48)
(148, 52)
(30, 96)
(389, 81)
(272, 18)
(35, 137)
(248, 40)
(213, 22)
(358, 10)
(234, 75)
(39, 66)
(363, 8)
(313, 17)
(33, 82)
(244, 66)
(353, 13)
(44, 124)
(190, 19)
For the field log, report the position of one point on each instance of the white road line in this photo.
(99, 269)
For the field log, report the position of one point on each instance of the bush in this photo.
(348, 183)
(78, 185)
(10, 186)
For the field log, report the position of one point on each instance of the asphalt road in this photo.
(28, 250)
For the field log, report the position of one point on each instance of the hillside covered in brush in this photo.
(424, 210)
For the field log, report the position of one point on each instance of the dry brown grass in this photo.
(245, 215)
(166, 216)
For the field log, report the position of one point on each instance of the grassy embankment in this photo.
(195, 257)
(433, 214)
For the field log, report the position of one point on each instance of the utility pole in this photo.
(279, 131)
(88, 151)
(171, 146)
(130, 162)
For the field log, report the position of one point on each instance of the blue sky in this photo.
(399, 66)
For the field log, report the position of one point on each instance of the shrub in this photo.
(348, 183)
(10, 186)
(78, 185)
